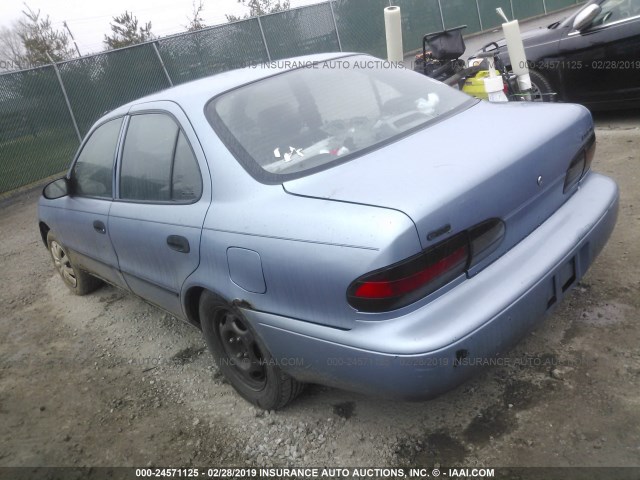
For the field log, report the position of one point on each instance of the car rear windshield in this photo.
(314, 117)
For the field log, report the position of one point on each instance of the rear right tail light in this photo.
(580, 164)
(574, 172)
(590, 152)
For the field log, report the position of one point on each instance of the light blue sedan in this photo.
(335, 219)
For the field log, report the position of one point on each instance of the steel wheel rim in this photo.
(536, 94)
(242, 350)
(63, 264)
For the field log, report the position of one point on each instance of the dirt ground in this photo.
(108, 380)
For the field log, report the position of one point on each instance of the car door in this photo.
(602, 63)
(82, 219)
(162, 196)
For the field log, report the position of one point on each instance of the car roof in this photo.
(196, 93)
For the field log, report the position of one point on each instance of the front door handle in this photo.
(99, 227)
(178, 243)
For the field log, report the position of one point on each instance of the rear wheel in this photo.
(242, 357)
(541, 90)
(79, 282)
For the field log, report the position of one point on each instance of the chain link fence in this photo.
(37, 136)
(45, 111)
(212, 50)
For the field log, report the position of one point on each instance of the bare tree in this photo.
(260, 7)
(125, 31)
(196, 21)
(12, 53)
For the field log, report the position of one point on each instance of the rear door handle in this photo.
(99, 227)
(178, 243)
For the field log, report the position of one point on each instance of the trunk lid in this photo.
(490, 161)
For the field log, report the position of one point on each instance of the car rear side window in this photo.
(92, 174)
(186, 181)
(158, 164)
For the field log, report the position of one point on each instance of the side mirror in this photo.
(586, 16)
(57, 189)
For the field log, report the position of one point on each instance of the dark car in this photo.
(592, 57)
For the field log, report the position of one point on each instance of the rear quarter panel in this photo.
(310, 251)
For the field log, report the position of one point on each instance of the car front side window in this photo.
(158, 164)
(616, 10)
(92, 174)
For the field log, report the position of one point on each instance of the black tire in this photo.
(77, 281)
(242, 357)
(541, 88)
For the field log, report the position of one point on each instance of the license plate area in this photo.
(567, 275)
(564, 278)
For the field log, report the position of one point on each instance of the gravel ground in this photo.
(108, 380)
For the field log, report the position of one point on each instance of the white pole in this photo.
(393, 30)
(517, 54)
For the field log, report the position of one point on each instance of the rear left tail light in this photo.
(416, 277)
(484, 238)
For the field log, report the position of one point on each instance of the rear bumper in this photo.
(439, 345)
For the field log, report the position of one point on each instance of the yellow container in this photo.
(474, 86)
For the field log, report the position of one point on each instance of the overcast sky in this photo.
(89, 19)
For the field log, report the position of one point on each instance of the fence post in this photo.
(66, 97)
(266, 47)
(335, 25)
(155, 47)
(479, 16)
(441, 14)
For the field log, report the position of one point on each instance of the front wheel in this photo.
(79, 282)
(242, 357)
